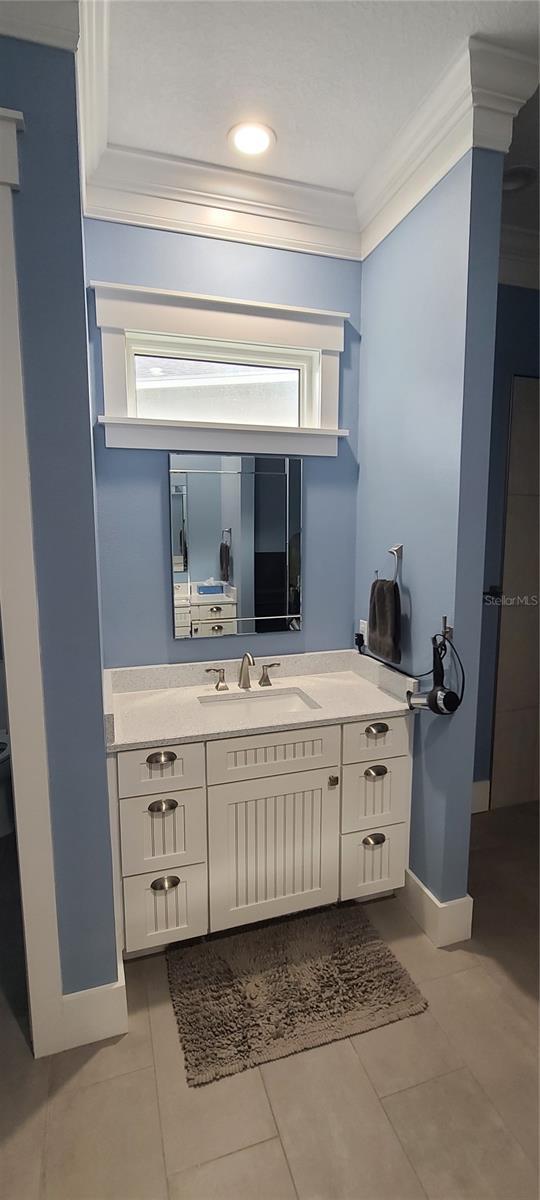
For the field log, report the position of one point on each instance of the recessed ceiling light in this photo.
(516, 179)
(252, 138)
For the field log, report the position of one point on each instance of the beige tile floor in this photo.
(442, 1105)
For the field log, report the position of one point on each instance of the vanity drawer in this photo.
(375, 791)
(162, 908)
(145, 772)
(365, 740)
(272, 753)
(218, 628)
(373, 861)
(213, 612)
(165, 829)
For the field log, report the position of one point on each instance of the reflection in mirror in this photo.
(235, 544)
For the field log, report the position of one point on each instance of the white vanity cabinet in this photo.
(243, 828)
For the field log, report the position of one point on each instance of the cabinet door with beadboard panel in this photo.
(231, 759)
(273, 846)
(164, 829)
(376, 791)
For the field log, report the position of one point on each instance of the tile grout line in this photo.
(276, 1123)
(154, 1071)
(383, 1110)
(209, 1162)
(45, 1142)
(407, 1088)
(487, 1098)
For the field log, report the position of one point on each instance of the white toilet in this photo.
(6, 797)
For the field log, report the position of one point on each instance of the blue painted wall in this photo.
(41, 82)
(516, 353)
(132, 486)
(428, 326)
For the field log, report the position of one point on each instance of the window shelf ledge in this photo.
(142, 433)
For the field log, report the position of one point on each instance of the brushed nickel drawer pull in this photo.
(165, 883)
(376, 729)
(162, 806)
(333, 780)
(376, 772)
(217, 628)
(216, 608)
(161, 758)
(372, 839)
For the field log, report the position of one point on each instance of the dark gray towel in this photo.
(224, 562)
(384, 625)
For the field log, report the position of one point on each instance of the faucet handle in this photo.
(265, 680)
(221, 686)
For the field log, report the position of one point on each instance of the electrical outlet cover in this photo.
(362, 628)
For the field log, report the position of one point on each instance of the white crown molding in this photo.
(142, 188)
(93, 82)
(519, 257)
(51, 22)
(473, 105)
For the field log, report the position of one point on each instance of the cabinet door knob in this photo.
(372, 839)
(165, 883)
(217, 628)
(376, 729)
(333, 780)
(161, 758)
(216, 608)
(376, 772)
(162, 806)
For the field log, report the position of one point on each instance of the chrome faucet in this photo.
(243, 679)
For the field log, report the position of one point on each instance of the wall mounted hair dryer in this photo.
(440, 699)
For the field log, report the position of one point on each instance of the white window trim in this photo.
(142, 320)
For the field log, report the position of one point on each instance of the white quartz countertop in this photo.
(174, 714)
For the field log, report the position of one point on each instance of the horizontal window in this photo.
(188, 389)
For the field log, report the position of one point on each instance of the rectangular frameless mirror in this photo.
(236, 524)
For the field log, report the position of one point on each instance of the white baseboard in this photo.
(445, 922)
(89, 1016)
(480, 795)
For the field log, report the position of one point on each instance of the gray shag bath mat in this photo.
(242, 999)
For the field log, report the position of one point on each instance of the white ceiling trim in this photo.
(519, 258)
(473, 105)
(53, 23)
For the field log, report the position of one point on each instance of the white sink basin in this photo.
(282, 700)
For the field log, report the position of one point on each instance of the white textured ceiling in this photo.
(335, 79)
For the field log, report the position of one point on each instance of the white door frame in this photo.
(57, 1021)
(20, 628)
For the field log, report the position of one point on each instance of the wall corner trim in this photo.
(445, 922)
